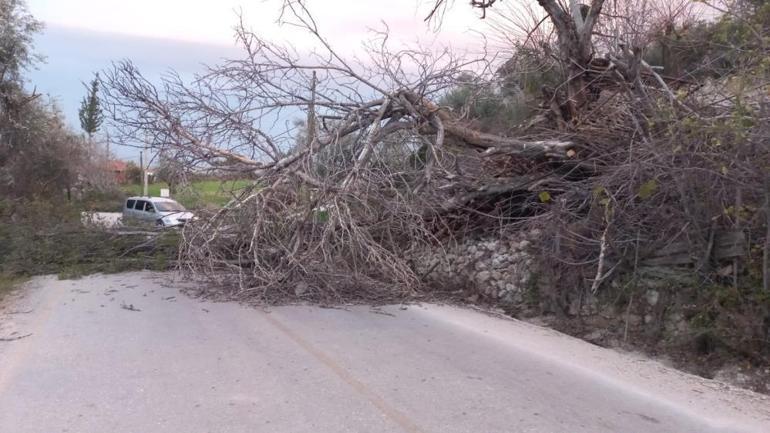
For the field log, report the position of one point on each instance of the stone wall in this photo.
(500, 270)
(497, 269)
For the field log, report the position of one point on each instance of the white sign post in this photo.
(164, 192)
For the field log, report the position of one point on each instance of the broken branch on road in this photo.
(129, 307)
(19, 337)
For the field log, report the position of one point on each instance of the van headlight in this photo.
(168, 221)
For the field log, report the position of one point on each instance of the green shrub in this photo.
(40, 237)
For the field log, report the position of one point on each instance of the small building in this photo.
(118, 169)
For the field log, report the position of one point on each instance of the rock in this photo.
(733, 375)
(574, 308)
(676, 323)
(597, 335)
(634, 319)
(652, 297)
(497, 266)
(483, 277)
(301, 288)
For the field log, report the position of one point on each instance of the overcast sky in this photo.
(84, 36)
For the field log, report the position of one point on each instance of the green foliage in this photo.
(712, 48)
(495, 109)
(512, 97)
(108, 200)
(171, 171)
(648, 189)
(133, 173)
(732, 317)
(197, 194)
(9, 282)
(17, 32)
(39, 155)
(41, 237)
(528, 71)
(90, 112)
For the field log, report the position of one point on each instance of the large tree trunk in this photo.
(574, 29)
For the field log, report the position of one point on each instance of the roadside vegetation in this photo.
(8, 283)
(40, 237)
(197, 194)
(50, 174)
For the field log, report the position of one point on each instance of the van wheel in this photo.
(159, 223)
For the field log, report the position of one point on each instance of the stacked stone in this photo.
(495, 268)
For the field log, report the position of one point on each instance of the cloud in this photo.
(74, 55)
(77, 44)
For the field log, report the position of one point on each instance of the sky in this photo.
(85, 36)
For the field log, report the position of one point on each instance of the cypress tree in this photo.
(90, 112)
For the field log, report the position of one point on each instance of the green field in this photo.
(198, 194)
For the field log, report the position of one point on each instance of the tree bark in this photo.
(576, 49)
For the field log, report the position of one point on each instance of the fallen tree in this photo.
(631, 192)
(339, 200)
(344, 201)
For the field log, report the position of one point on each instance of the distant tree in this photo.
(133, 173)
(172, 171)
(50, 159)
(90, 112)
(573, 23)
(17, 31)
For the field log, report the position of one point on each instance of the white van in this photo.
(163, 211)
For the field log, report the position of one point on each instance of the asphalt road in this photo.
(128, 353)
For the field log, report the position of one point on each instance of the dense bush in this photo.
(42, 237)
(494, 106)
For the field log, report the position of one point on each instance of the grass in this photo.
(198, 194)
(8, 282)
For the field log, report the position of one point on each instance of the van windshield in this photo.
(169, 206)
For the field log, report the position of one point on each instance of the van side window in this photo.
(148, 207)
(139, 205)
(130, 204)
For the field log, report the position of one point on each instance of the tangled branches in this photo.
(357, 168)
(341, 202)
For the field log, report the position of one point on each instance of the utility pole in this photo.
(107, 144)
(145, 193)
(144, 173)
